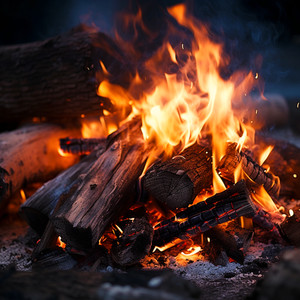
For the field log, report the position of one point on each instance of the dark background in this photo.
(30, 20)
(269, 27)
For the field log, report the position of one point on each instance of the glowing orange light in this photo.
(191, 251)
(60, 243)
(23, 196)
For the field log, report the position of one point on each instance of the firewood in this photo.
(80, 146)
(134, 244)
(106, 190)
(220, 208)
(58, 78)
(290, 228)
(224, 240)
(232, 159)
(284, 161)
(38, 208)
(30, 154)
(177, 181)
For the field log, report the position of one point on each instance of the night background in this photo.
(269, 27)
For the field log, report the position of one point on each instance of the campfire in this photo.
(170, 160)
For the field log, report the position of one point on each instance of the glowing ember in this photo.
(60, 243)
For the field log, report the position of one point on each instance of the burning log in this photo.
(134, 244)
(30, 154)
(58, 78)
(224, 240)
(106, 190)
(256, 173)
(39, 207)
(290, 228)
(80, 146)
(222, 207)
(177, 181)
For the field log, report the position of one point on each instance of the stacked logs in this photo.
(85, 200)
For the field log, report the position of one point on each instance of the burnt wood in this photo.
(30, 154)
(80, 146)
(58, 78)
(233, 158)
(106, 190)
(220, 208)
(134, 244)
(290, 228)
(39, 207)
(177, 181)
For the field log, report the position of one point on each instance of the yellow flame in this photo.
(191, 251)
(264, 155)
(23, 195)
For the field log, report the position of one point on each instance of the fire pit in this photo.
(166, 165)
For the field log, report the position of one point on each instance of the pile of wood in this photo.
(58, 79)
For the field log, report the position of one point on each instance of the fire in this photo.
(60, 243)
(181, 107)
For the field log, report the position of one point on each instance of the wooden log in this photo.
(177, 181)
(39, 207)
(224, 240)
(290, 228)
(232, 159)
(134, 244)
(58, 78)
(284, 161)
(30, 154)
(220, 208)
(105, 191)
(80, 146)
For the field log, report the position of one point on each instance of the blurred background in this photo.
(249, 27)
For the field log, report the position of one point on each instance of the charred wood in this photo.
(177, 181)
(39, 207)
(222, 207)
(232, 159)
(80, 146)
(225, 241)
(290, 228)
(58, 78)
(30, 154)
(134, 244)
(105, 191)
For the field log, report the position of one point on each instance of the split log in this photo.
(177, 181)
(232, 159)
(106, 190)
(30, 154)
(80, 146)
(134, 244)
(58, 78)
(222, 207)
(290, 228)
(39, 207)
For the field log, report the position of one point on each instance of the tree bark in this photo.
(58, 78)
(177, 181)
(106, 190)
(39, 207)
(30, 154)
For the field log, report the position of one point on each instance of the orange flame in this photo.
(192, 103)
